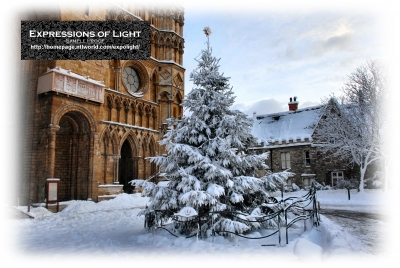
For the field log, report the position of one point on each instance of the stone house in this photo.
(288, 137)
(84, 122)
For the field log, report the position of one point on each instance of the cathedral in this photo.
(93, 124)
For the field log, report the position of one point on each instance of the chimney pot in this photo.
(293, 105)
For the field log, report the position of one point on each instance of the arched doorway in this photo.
(72, 156)
(127, 167)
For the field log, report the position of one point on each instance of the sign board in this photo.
(52, 189)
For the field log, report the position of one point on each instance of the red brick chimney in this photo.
(293, 104)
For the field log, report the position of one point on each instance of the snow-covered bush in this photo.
(374, 182)
(295, 188)
(351, 183)
(317, 185)
(326, 187)
(208, 164)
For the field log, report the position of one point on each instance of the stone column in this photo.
(93, 166)
(126, 113)
(110, 107)
(117, 72)
(133, 114)
(135, 167)
(116, 168)
(119, 107)
(148, 119)
(141, 117)
(52, 131)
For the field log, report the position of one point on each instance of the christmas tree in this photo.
(208, 164)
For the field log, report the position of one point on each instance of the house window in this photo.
(285, 160)
(307, 158)
(337, 176)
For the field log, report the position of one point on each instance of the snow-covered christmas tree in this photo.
(208, 164)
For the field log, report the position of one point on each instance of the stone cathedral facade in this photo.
(90, 126)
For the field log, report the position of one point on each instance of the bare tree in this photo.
(352, 127)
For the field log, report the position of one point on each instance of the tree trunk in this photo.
(362, 174)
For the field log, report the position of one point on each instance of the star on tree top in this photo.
(207, 31)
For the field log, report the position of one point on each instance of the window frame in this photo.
(307, 163)
(285, 160)
(336, 176)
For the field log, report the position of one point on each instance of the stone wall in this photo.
(79, 140)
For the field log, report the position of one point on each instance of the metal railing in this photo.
(299, 208)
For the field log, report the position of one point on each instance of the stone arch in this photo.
(140, 111)
(175, 54)
(161, 49)
(180, 53)
(128, 162)
(164, 100)
(179, 97)
(180, 18)
(168, 49)
(147, 115)
(153, 20)
(152, 145)
(177, 109)
(119, 105)
(154, 117)
(110, 104)
(165, 95)
(115, 142)
(133, 141)
(153, 86)
(109, 151)
(73, 155)
(153, 44)
(127, 106)
(74, 108)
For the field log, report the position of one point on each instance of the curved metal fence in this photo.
(285, 213)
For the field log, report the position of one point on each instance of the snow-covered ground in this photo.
(110, 233)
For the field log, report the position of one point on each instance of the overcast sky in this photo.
(275, 50)
(278, 50)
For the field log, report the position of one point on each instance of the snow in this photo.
(111, 233)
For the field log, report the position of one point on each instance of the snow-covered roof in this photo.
(286, 126)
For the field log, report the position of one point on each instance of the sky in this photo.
(276, 50)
